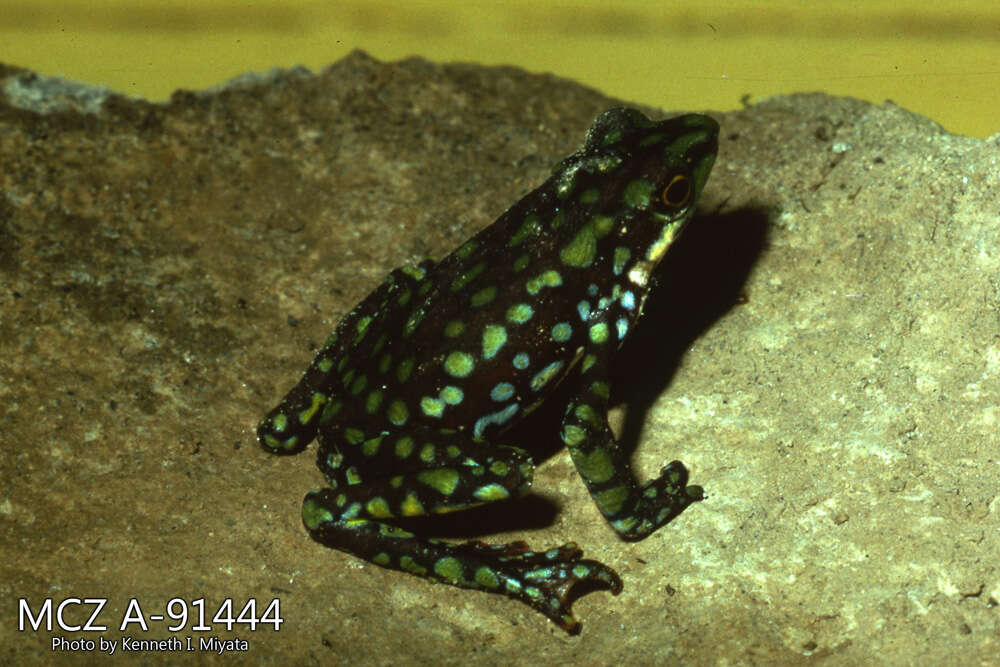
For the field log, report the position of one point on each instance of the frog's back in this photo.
(479, 339)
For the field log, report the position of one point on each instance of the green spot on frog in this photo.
(362, 327)
(590, 196)
(652, 139)
(450, 569)
(601, 389)
(467, 276)
(586, 413)
(621, 257)
(562, 332)
(596, 466)
(487, 579)
(412, 415)
(432, 407)
(638, 193)
(452, 395)
(314, 515)
(397, 413)
(371, 446)
(378, 508)
(373, 402)
(405, 369)
(502, 392)
(404, 446)
(529, 229)
(494, 338)
(499, 468)
(442, 480)
(521, 361)
(611, 501)
(413, 321)
(573, 435)
(415, 272)
(582, 249)
(306, 416)
(407, 564)
(550, 278)
(281, 422)
(491, 493)
(384, 364)
(411, 506)
(459, 364)
(546, 375)
(599, 332)
(466, 249)
(390, 531)
(520, 313)
(483, 297)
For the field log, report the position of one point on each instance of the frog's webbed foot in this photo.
(545, 580)
(662, 500)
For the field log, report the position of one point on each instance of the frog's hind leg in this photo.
(292, 424)
(353, 518)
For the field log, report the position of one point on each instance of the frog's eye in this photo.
(677, 192)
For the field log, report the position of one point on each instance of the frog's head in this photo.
(627, 193)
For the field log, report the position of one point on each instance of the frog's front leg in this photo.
(634, 513)
(353, 518)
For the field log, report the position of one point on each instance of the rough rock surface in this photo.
(823, 353)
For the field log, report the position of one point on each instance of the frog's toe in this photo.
(674, 478)
(669, 494)
(547, 580)
(277, 434)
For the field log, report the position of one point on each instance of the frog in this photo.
(412, 395)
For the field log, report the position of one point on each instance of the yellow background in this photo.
(941, 59)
